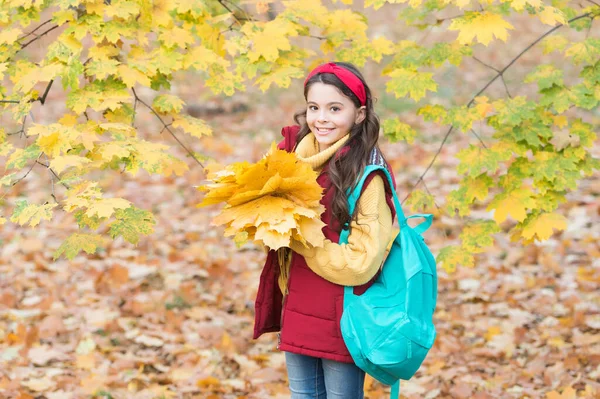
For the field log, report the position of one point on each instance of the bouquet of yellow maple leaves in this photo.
(271, 202)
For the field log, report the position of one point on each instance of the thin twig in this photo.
(593, 2)
(238, 20)
(429, 192)
(480, 140)
(325, 38)
(166, 126)
(246, 15)
(482, 90)
(134, 108)
(40, 99)
(24, 176)
(37, 37)
(501, 75)
(33, 31)
(43, 99)
(51, 178)
(521, 54)
(55, 175)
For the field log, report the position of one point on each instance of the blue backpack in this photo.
(389, 329)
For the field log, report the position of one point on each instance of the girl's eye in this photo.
(312, 107)
(335, 109)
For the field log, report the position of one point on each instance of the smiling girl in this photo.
(301, 290)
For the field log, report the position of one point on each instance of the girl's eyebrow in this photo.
(334, 102)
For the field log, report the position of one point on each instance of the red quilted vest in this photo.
(309, 318)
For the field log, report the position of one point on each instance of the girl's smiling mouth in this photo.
(323, 130)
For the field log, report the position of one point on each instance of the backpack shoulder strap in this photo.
(356, 192)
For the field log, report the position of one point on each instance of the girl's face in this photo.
(330, 114)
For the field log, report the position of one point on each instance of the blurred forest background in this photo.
(173, 316)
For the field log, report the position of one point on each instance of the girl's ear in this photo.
(361, 113)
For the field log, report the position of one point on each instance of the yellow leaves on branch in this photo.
(482, 26)
(272, 201)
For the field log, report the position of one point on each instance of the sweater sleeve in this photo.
(356, 262)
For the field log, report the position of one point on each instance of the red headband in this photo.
(348, 78)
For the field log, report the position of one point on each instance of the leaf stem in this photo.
(166, 126)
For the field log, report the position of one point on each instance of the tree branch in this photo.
(38, 36)
(40, 99)
(482, 90)
(521, 54)
(55, 175)
(33, 31)
(24, 176)
(480, 140)
(166, 126)
(501, 75)
(238, 19)
(43, 99)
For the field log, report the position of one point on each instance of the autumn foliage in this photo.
(271, 202)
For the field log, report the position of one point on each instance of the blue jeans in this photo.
(316, 378)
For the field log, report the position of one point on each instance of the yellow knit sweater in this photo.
(356, 262)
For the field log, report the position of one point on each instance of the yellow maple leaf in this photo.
(105, 207)
(53, 144)
(9, 35)
(484, 26)
(130, 76)
(552, 16)
(60, 163)
(519, 5)
(273, 38)
(113, 149)
(542, 225)
(271, 201)
(192, 126)
(514, 202)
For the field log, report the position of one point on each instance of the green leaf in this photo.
(559, 97)
(586, 51)
(19, 158)
(476, 160)
(131, 223)
(395, 130)
(451, 256)
(584, 131)
(31, 213)
(168, 103)
(514, 111)
(78, 242)
(419, 201)
(545, 76)
(435, 113)
(476, 236)
(457, 201)
(409, 82)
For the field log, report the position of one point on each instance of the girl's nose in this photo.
(322, 116)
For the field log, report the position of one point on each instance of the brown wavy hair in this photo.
(344, 171)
